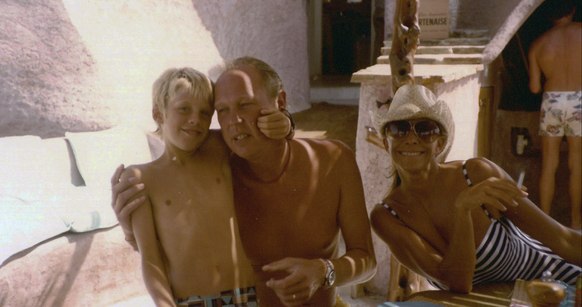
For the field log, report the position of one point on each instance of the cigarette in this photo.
(520, 180)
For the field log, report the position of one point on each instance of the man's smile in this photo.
(241, 137)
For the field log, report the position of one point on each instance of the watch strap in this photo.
(330, 269)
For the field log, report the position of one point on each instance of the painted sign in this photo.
(433, 19)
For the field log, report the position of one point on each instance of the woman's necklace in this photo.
(255, 178)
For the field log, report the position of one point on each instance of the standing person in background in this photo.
(556, 56)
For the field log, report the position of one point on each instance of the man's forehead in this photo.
(248, 73)
(237, 84)
(233, 77)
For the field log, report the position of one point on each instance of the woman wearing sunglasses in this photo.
(460, 223)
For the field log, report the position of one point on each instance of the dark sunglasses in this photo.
(426, 130)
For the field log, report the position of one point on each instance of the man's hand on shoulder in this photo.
(123, 188)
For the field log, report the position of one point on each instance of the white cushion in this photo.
(85, 208)
(99, 153)
(24, 224)
(31, 168)
(37, 197)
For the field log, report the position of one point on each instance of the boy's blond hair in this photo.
(174, 80)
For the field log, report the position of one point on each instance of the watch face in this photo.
(331, 277)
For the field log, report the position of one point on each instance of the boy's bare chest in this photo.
(189, 198)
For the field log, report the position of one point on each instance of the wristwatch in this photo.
(329, 274)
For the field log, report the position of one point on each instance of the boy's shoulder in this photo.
(140, 171)
(214, 145)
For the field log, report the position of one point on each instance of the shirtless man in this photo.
(556, 55)
(292, 197)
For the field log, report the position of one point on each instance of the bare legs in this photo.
(550, 161)
(575, 165)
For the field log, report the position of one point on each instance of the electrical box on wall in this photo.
(521, 143)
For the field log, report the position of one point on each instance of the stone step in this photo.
(423, 74)
(469, 33)
(451, 41)
(439, 59)
(442, 49)
(462, 33)
(471, 41)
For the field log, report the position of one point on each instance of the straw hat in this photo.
(413, 102)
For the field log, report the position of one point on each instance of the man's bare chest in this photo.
(286, 220)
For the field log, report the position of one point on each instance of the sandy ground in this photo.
(330, 121)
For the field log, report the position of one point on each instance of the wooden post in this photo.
(404, 42)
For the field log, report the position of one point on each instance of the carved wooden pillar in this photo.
(404, 42)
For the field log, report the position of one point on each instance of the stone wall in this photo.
(88, 65)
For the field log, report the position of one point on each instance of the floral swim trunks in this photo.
(561, 114)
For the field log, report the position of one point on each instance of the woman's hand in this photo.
(499, 193)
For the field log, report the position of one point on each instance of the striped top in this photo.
(506, 254)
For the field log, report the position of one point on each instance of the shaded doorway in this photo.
(346, 36)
